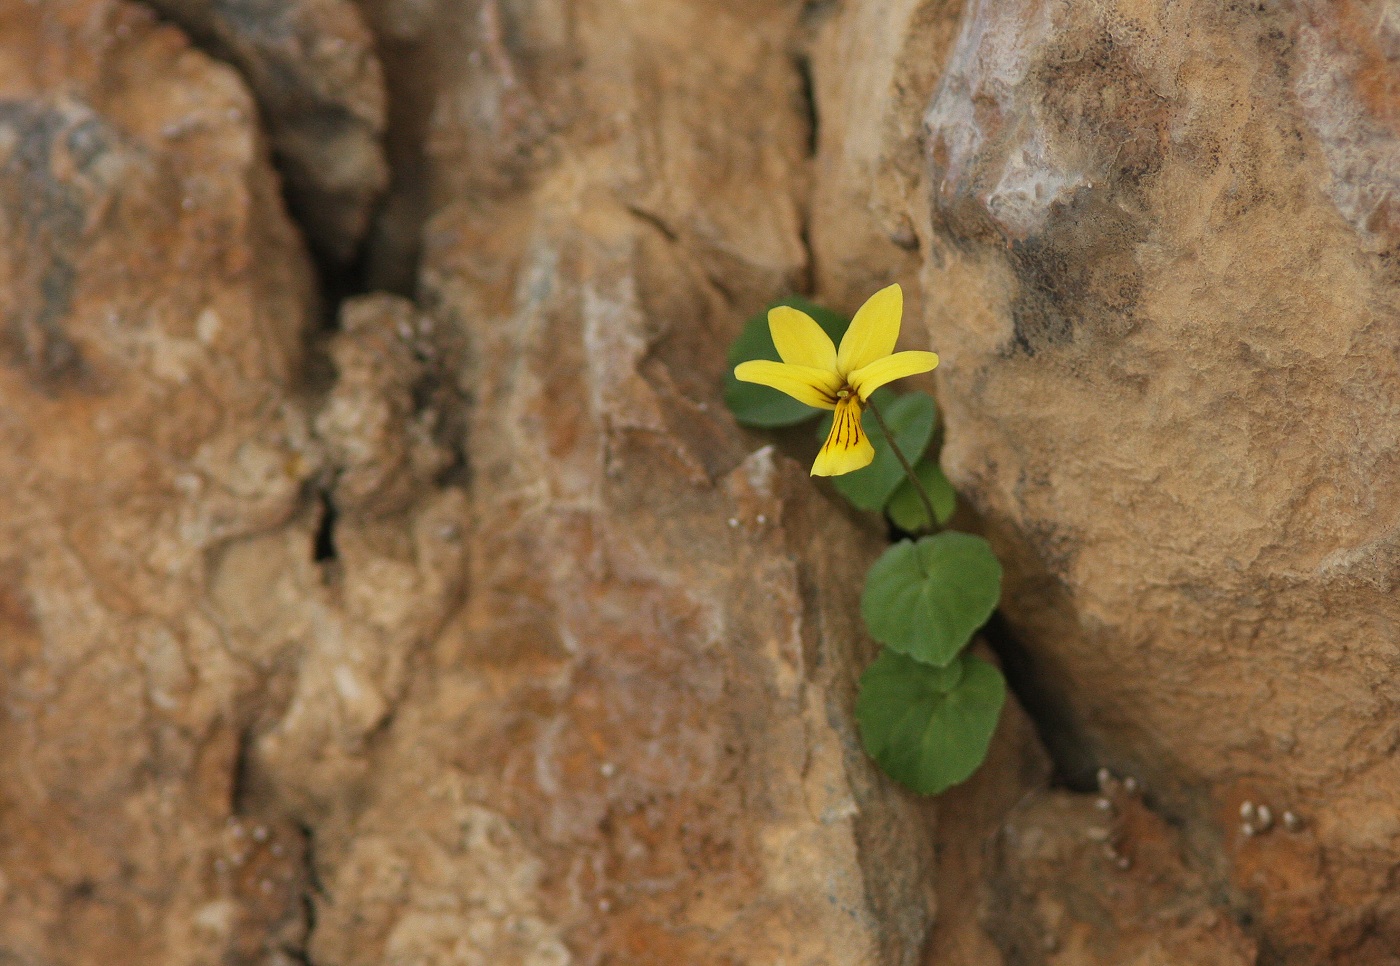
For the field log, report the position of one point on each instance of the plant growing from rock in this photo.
(926, 708)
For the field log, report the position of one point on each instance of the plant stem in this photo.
(908, 470)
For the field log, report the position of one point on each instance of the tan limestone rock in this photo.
(187, 690)
(1078, 881)
(319, 84)
(1161, 283)
(638, 729)
(153, 298)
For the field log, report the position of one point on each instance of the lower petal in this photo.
(847, 448)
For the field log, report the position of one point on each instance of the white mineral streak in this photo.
(1362, 151)
(981, 97)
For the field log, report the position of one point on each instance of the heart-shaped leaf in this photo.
(925, 598)
(907, 510)
(911, 418)
(763, 406)
(929, 727)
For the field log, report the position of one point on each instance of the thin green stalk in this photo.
(908, 470)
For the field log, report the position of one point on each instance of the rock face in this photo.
(634, 741)
(470, 629)
(265, 658)
(186, 689)
(1103, 882)
(1161, 277)
(154, 303)
(318, 82)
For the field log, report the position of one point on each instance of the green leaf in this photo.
(762, 406)
(910, 417)
(929, 727)
(907, 510)
(924, 599)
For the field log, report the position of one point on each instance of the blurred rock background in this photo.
(383, 582)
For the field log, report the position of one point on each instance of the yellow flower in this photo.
(817, 373)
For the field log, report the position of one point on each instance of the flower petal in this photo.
(815, 387)
(873, 331)
(800, 341)
(847, 448)
(881, 371)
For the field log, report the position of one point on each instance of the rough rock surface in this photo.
(154, 302)
(313, 69)
(1103, 883)
(634, 743)
(186, 690)
(1162, 250)
(473, 631)
(267, 666)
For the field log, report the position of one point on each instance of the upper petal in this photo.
(866, 380)
(815, 387)
(800, 340)
(873, 331)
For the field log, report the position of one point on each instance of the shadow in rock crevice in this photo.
(1076, 763)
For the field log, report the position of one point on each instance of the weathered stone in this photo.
(967, 822)
(257, 635)
(873, 66)
(1084, 882)
(186, 690)
(393, 419)
(313, 68)
(153, 299)
(1161, 282)
(635, 742)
